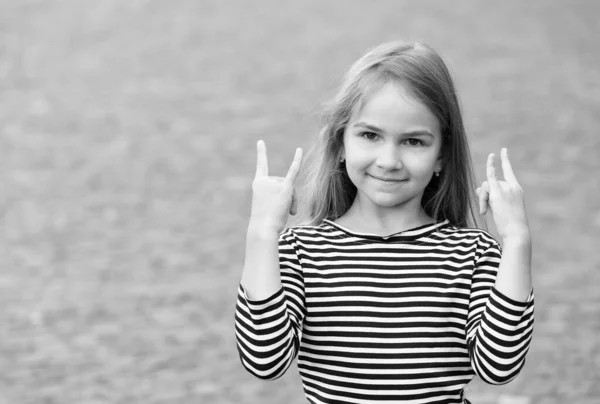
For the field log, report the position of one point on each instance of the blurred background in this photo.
(128, 133)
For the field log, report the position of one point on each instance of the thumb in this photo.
(483, 200)
(486, 187)
(294, 205)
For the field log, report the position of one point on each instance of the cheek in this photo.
(424, 165)
(355, 157)
(356, 168)
(357, 164)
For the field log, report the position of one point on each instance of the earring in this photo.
(342, 160)
(437, 173)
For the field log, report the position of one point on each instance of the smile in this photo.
(388, 180)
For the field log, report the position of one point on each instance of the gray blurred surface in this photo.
(127, 155)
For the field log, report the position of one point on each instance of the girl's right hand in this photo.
(273, 198)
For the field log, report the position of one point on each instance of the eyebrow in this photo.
(422, 132)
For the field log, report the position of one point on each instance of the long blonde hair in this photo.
(330, 192)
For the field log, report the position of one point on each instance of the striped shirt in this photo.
(407, 318)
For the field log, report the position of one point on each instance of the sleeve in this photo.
(499, 329)
(268, 331)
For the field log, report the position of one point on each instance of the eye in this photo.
(414, 142)
(369, 135)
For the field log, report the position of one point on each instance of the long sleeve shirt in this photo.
(409, 318)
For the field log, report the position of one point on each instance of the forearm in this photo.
(266, 337)
(267, 317)
(514, 272)
(261, 276)
(500, 336)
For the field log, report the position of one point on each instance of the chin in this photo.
(387, 201)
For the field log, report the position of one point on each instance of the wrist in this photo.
(520, 238)
(260, 231)
(517, 233)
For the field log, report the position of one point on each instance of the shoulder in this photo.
(467, 235)
(307, 239)
(315, 235)
(478, 241)
(307, 232)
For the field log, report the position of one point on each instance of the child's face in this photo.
(392, 147)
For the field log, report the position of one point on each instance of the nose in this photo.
(388, 158)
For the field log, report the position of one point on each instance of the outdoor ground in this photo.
(128, 133)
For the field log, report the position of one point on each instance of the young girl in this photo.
(388, 295)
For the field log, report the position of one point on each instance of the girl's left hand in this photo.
(504, 199)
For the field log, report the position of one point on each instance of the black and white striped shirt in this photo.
(407, 318)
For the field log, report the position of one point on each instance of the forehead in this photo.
(395, 108)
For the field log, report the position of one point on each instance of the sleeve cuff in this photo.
(511, 313)
(510, 302)
(263, 305)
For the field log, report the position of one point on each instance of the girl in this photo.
(388, 295)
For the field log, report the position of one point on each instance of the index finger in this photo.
(509, 175)
(262, 164)
(295, 167)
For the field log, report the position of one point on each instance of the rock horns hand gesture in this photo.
(504, 199)
(273, 198)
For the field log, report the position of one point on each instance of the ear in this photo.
(439, 164)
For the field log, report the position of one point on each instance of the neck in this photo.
(367, 218)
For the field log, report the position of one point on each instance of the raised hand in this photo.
(504, 199)
(273, 198)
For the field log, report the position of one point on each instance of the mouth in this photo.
(388, 180)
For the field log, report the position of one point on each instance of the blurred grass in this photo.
(127, 153)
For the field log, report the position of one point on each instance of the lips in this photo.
(384, 179)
